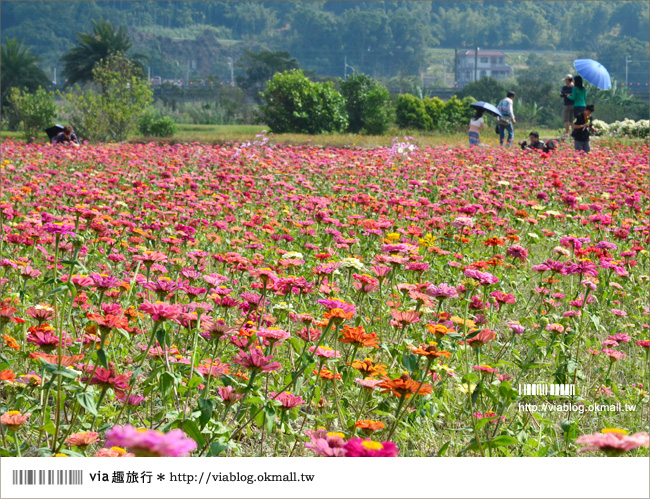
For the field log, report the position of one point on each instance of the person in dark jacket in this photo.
(67, 136)
(582, 129)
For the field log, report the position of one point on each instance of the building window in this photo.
(483, 73)
(484, 60)
(502, 60)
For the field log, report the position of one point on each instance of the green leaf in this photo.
(206, 406)
(48, 427)
(167, 381)
(482, 422)
(87, 401)
(269, 412)
(443, 449)
(193, 431)
(101, 355)
(503, 440)
(410, 362)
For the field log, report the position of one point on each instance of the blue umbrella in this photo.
(486, 106)
(594, 72)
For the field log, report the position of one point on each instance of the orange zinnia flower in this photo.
(337, 315)
(369, 368)
(359, 337)
(54, 359)
(439, 330)
(11, 342)
(431, 351)
(327, 374)
(405, 386)
(369, 425)
(7, 375)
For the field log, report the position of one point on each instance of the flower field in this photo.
(257, 300)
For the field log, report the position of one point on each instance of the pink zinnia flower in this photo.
(358, 447)
(612, 441)
(325, 352)
(113, 452)
(151, 443)
(161, 311)
(324, 443)
(442, 291)
(254, 360)
(620, 313)
(82, 439)
(288, 400)
(369, 383)
(613, 355)
(228, 394)
(14, 419)
(485, 278)
(273, 334)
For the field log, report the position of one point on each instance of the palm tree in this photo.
(103, 42)
(19, 68)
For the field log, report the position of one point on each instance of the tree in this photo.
(367, 104)
(36, 111)
(260, 67)
(110, 111)
(19, 69)
(101, 44)
(487, 89)
(295, 104)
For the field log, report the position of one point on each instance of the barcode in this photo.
(48, 477)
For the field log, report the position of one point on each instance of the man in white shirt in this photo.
(507, 118)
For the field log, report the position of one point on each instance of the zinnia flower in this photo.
(255, 361)
(612, 441)
(358, 447)
(151, 443)
(324, 443)
(82, 439)
(14, 419)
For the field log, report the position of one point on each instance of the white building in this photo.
(488, 63)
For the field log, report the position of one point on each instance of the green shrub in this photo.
(35, 111)
(154, 125)
(411, 113)
(292, 103)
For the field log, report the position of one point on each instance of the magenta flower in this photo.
(59, 228)
(288, 400)
(485, 278)
(150, 443)
(358, 447)
(255, 361)
(442, 291)
(518, 252)
(161, 311)
(324, 443)
(228, 394)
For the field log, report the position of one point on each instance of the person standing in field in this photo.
(578, 96)
(567, 111)
(582, 128)
(507, 118)
(476, 124)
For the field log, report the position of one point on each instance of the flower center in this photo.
(614, 430)
(372, 445)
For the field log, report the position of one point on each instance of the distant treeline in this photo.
(381, 39)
